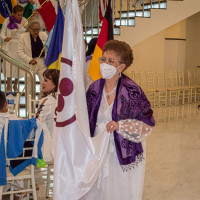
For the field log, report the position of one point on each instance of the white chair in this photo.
(151, 89)
(49, 168)
(191, 82)
(194, 83)
(27, 174)
(32, 104)
(17, 105)
(161, 89)
(171, 84)
(183, 88)
(136, 76)
(128, 73)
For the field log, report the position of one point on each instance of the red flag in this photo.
(41, 1)
(48, 14)
(105, 35)
(102, 9)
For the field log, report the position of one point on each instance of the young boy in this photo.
(3, 114)
(4, 111)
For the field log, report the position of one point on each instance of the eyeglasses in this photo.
(109, 61)
(36, 30)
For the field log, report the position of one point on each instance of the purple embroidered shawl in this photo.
(13, 23)
(130, 103)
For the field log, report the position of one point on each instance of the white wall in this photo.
(150, 54)
(174, 55)
(192, 56)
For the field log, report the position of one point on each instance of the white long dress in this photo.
(113, 183)
(11, 47)
(46, 117)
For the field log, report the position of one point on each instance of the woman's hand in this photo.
(33, 62)
(112, 126)
(7, 39)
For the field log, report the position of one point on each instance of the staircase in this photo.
(29, 79)
(160, 19)
(149, 18)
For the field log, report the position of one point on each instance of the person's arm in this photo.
(43, 36)
(131, 129)
(138, 129)
(3, 35)
(134, 130)
(21, 51)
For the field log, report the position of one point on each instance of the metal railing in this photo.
(124, 14)
(29, 78)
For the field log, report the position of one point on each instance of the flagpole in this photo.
(33, 70)
(22, 25)
(33, 73)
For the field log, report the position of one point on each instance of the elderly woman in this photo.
(118, 104)
(46, 109)
(10, 26)
(30, 47)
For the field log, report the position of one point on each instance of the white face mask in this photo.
(107, 71)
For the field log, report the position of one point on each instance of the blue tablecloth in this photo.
(18, 133)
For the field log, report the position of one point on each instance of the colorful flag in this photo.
(48, 15)
(3, 12)
(41, 1)
(47, 44)
(6, 7)
(105, 35)
(78, 158)
(102, 9)
(11, 4)
(28, 10)
(55, 48)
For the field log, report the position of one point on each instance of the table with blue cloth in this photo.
(18, 132)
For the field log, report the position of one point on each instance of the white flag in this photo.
(78, 158)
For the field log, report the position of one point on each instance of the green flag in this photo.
(28, 10)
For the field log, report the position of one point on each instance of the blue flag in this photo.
(3, 9)
(6, 7)
(55, 48)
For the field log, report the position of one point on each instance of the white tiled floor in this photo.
(173, 149)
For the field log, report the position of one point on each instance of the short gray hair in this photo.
(31, 23)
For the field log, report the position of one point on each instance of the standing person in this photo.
(89, 54)
(117, 104)
(30, 46)
(10, 25)
(46, 109)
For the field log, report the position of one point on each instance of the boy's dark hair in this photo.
(2, 99)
